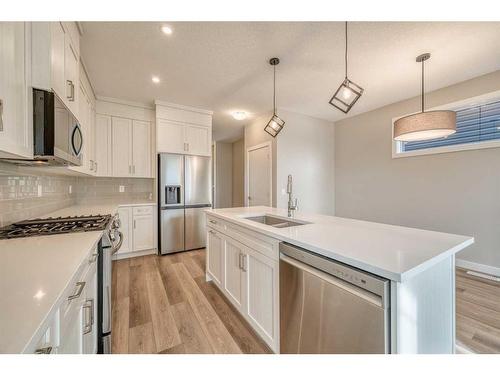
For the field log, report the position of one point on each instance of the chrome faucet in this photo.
(292, 206)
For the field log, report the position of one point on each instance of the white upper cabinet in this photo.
(170, 136)
(141, 148)
(16, 129)
(102, 145)
(183, 130)
(55, 60)
(122, 147)
(131, 145)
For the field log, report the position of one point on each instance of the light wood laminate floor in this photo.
(162, 304)
(478, 313)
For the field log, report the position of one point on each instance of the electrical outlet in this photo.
(121, 189)
(283, 191)
(40, 190)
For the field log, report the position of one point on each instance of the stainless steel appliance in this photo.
(57, 137)
(110, 243)
(329, 307)
(184, 186)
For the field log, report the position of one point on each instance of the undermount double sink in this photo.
(276, 221)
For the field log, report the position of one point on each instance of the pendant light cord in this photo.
(423, 86)
(345, 49)
(274, 90)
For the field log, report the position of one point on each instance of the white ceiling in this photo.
(223, 66)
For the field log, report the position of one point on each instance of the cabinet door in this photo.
(71, 75)
(121, 147)
(102, 144)
(198, 140)
(261, 274)
(233, 273)
(125, 214)
(141, 151)
(71, 339)
(215, 256)
(170, 137)
(143, 232)
(57, 50)
(89, 314)
(16, 131)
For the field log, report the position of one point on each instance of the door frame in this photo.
(247, 169)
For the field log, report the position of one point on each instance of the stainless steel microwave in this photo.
(57, 136)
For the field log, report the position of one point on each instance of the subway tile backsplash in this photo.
(28, 192)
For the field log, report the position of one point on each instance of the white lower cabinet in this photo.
(78, 314)
(138, 230)
(215, 257)
(247, 277)
(234, 277)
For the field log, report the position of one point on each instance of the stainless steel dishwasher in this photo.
(329, 307)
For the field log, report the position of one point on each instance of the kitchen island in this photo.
(243, 261)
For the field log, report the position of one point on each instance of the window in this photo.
(478, 126)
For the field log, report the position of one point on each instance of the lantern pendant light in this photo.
(275, 124)
(425, 125)
(348, 92)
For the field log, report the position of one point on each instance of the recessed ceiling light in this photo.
(155, 79)
(167, 30)
(239, 115)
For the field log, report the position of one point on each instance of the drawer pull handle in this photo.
(46, 350)
(80, 285)
(212, 232)
(213, 221)
(93, 258)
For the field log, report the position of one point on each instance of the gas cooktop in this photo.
(58, 225)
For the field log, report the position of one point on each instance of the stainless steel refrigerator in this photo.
(184, 192)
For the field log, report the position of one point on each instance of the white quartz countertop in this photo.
(35, 271)
(394, 252)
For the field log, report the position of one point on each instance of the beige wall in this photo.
(254, 135)
(305, 149)
(457, 192)
(238, 173)
(224, 175)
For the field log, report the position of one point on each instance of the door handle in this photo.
(89, 304)
(134, 224)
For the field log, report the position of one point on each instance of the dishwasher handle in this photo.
(350, 288)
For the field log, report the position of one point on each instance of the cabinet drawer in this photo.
(215, 223)
(143, 210)
(265, 245)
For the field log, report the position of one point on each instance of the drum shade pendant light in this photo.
(425, 125)
(275, 124)
(348, 92)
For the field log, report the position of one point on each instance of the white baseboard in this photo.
(490, 270)
(134, 254)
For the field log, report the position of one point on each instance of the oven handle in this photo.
(120, 242)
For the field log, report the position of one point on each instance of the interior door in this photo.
(259, 176)
(122, 147)
(197, 180)
(141, 152)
